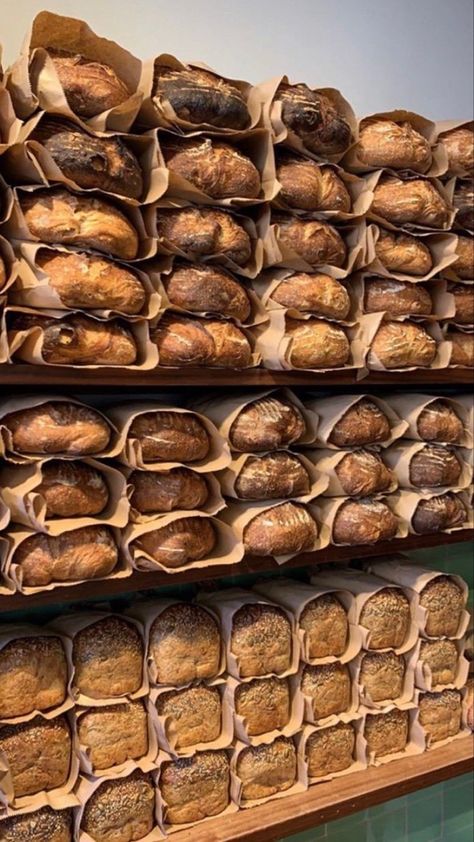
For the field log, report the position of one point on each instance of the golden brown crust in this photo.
(434, 466)
(261, 640)
(185, 644)
(58, 427)
(165, 491)
(438, 422)
(463, 200)
(325, 625)
(170, 436)
(363, 473)
(464, 265)
(329, 688)
(386, 614)
(212, 343)
(463, 303)
(44, 825)
(315, 343)
(33, 675)
(267, 769)
(72, 489)
(402, 345)
(264, 704)
(316, 242)
(462, 352)
(37, 753)
(363, 423)
(121, 809)
(401, 252)
(267, 424)
(108, 658)
(90, 87)
(287, 528)
(386, 733)
(204, 232)
(313, 117)
(395, 145)
(217, 169)
(200, 288)
(441, 657)
(440, 714)
(415, 202)
(459, 145)
(396, 298)
(365, 521)
(318, 294)
(272, 476)
(181, 542)
(382, 675)
(195, 787)
(193, 715)
(114, 734)
(200, 97)
(86, 553)
(308, 186)
(330, 750)
(438, 514)
(444, 602)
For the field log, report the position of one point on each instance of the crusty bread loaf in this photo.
(396, 298)
(267, 424)
(75, 219)
(382, 675)
(180, 542)
(412, 202)
(264, 704)
(204, 232)
(121, 809)
(462, 345)
(214, 343)
(184, 644)
(307, 186)
(325, 626)
(387, 615)
(267, 769)
(444, 602)
(108, 658)
(402, 345)
(437, 514)
(364, 521)
(86, 553)
(363, 473)
(200, 288)
(464, 264)
(318, 294)
(37, 754)
(463, 201)
(459, 145)
(434, 466)
(313, 240)
(195, 787)
(394, 145)
(440, 714)
(314, 118)
(170, 436)
(90, 87)
(192, 715)
(363, 423)
(114, 734)
(286, 528)
(200, 97)
(438, 422)
(164, 491)
(218, 169)
(44, 825)
(272, 476)
(328, 686)
(315, 343)
(386, 733)
(463, 303)
(72, 489)
(33, 675)
(261, 640)
(330, 749)
(441, 658)
(401, 252)
(58, 427)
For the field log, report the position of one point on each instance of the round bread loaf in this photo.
(114, 734)
(328, 686)
(267, 769)
(462, 345)
(396, 298)
(315, 343)
(204, 232)
(90, 282)
(438, 422)
(90, 87)
(195, 787)
(165, 491)
(318, 294)
(400, 252)
(314, 241)
(412, 202)
(386, 733)
(459, 145)
(382, 675)
(402, 345)
(33, 675)
(440, 714)
(77, 340)
(441, 658)
(463, 303)
(307, 186)
(193, 715)
(364, 521)
(180, 542)
(121, 809)
(86, 553)
(363, 423)
(325, 626)
(261, 640)
(464, 264)
(75, 219)
(387, 616)
(108, 658)
(363, 473)
(444, 602)
(271, 477)
(437, 514)
(393, 145)
(217, 169)
(184, 644)
(314, 118)
(200, 97)
(194, 342)
(434, 466)
(264, 704)
(44, 825)
(267, 424)
(200, 288)
(37, 754)
(285, 529)
(463, 201)
(170, 436)
(330, 750)
(72, 489)
(57, 427)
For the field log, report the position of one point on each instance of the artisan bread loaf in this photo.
(314, 118)
(382, 675)
(363, 473)
(267, 769)
(217, 169)
(396, 298)
(464, 264)
(196, 342)
(108, 658)
(402, 345)
(204, 232)
(459, 145)
(325, 626)
(386, 733)
(443, 600)
(394, 145)
(438, 422)
(386, 615)
(169, 436)
(463, 303)
(201, 288)
(307, 186)
(72, 489)
(462, 348)
(441, 658)
(192, 715)
(114, 734)
(330, 750)
(272, 476)
(364, 521)
(86, 553)
(200, 97)
(463, 201)
(180, 542)
(440, 714)
(121, 809)
(195, 787)
(267, 423)
(165, 491)
(90, 87)
(363, 423)
(312, 240)
(286, 528)
(329, 688)
(400, 252)
(184, 644)
(44, 825)
(434, 466)
(37, 754)
(314, 343)
(317, 294)
(438, 514)
(264, 704)
(261, 640)
(33, 675)
(57, 427)
(412, 202)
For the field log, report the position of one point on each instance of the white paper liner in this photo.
(300, 784)
(214, 503)
(326, 461)
(416, 737)
(463, 732)
(442, 247)
(228, 478)
(268, 281)
(359, 760)
(410, 405)
(405, 504)
(145, 763)
(343, 716)
(289, 730)
(326, 509)
(400, 455)
(354, 236)
(424, 675)
(331, 409)
(445, 190)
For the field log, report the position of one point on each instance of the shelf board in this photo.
(341, 797)
(250, 565)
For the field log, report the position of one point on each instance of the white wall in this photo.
(382, 54)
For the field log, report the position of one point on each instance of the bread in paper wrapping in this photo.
(441, 664)
(440, 715)
(461, 348)
(428, 512)
(457, 139)
(396, 298)
(153, 493)
(410, 203)
(192, 789)
(207, 290)
(115, 737)
(463, 266)
(215, 343)
(361, 521)
(361, 472)
(463, 201)
(191, 719)
(305, 292)
(404, 256)
(117, 801)
(330, 692)
(355, 421)
(392, 733)
(309, 344)
(55, 825)
(385, 678)
(444, 420)
(279, 474)
(397, 140)
(264, 708)
(424, 465)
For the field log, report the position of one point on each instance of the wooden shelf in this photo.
(250, 565)
(327, 801)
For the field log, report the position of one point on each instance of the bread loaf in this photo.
(217, 169)
(90, 87)
(440, 714)
(462, 352)
(75, 219)
(184, 645)
(382, 675)
(318, 294)
(412, 202)
(267, 769)
(44, 825)
(394, 145)
(459, 145)
(400, 252)
(204, 232)
(267, 424)
(364, 521)
(328, 686)
(464, 265)
(90, 282)
(33, 675)
(57, 427)
(386, 733)
(434, 466)
(181, 542)
(307, 186)
(362, 473)
(271, 477)
(72, 489)
(200, 97)
(264, 704)
(165, 491)
(438, 514)
(195, 787)
(402, 345)
(261, 640)
(192, 715)
(463, 201)
(121, 809)
(463, 303)
(387, 616)
(200, 342)
(108, 658)
(325, 626)
(363, 423)
(315, 343)
(396, 298)
(200, 288)
(288, 528)
(37, 754)
(314, 118)
(312, 240)
(438, 422)
(440, 657)
(170, 436)
(444, 602)
(114, 734)
(86, 553)
(330, 750)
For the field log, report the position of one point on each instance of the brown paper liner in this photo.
(410, 405)
(405, 504)
(408, 688)
(361, 199)
(145, 763)
(446, 191)
(7, 202)
(399, 458)
(369, 326)
(229, 476)
(10, 262)
(354, 236)
(270, 279)
(443, 126)
(424, 676)
(464, 731)
(7, 587)
(214, 504)
(300, 784)
(9, 123)
(326, 461)
(289, 730)
(442, 247)
(416, 739)
(359, 760)
(331, 409)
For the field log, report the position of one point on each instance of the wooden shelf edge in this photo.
(341, 797)
(250, 565)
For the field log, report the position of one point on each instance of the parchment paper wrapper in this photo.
(254, 355)
(289, 730)
(214, 504)
(278, 254)
(228, 549)
(7, 450)
(7, 587)
(295, 596)
(223, 411)
(225, 603)
(156, 110)
(420, 124)
(7, 202)
(272, 116)
(33, 81)
(300, 784)
(448, 331)
(361, 199)
(28, 507)
(9, 123)
(408, 687)
(405, 504)
(228, 478)
(343, 716)
(410, 405)
(442, 247)
(10, 263)
(413, 578)
(5, 514)
(467, 402)
(416, 737)
(269, 281)
(400, 455)
(145, 763)
(442, 302)
(424, 676)
(446, 191)
(463, 732)
(362, 586)
(331, 409)
(446, 302)
(370, 324)
(12, 632)
(443, 126)
(358, 763)
(3, 337)
(57, 798)
(326, 461)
